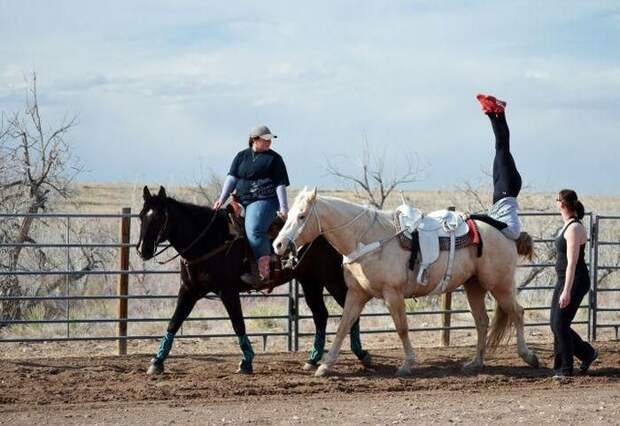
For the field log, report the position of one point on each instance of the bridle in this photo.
(162, 236)
(295, 232)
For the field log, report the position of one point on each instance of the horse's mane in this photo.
(384, 217)
(200, 213)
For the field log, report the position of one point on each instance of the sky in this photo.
(166, 92)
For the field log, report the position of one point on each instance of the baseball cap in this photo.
(262, 131)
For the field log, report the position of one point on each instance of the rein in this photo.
(192, 244)
(227, 245)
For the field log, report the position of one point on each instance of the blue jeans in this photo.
(259, 215)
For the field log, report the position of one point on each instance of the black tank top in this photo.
(562, 260)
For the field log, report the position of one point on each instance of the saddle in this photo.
(428, 235)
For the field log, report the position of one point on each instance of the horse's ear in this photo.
(312, 196)
(162, 193)
(146, 194)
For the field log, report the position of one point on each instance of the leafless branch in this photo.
(372, 184)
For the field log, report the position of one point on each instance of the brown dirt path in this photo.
(204, 389)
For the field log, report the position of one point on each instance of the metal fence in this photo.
(289, 297)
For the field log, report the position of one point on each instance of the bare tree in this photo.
(208, 190)
(371, 182)
(36, 165)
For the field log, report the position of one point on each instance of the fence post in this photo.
(296, 305)
(446, 304)
(123, 280)
(593, 305)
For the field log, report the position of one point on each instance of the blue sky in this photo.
(167, 90)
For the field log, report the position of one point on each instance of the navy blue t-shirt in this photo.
(258, 174)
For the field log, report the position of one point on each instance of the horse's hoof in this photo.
(366, 360)
(309, 366)
(322, 371)
(532, 360)
(245, 367)
(155, 369)
(403, 372)
(471, 367)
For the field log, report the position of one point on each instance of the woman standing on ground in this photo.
(572, 285)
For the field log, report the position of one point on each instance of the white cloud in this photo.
(161, 78)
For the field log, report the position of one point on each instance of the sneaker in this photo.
(585, 365)
(491, 104)
(561, 377)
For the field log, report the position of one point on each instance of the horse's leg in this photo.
(313, 293)
(396, 305)
(507, 302)
(475, 296)
(186, 300)
(353, 305)
(338, 289)
(232, 303)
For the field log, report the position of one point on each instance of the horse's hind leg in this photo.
(524, 352)
(313, 294)
(475, 296)
(353, 305)
(507, 301)
(232, 303)
(396, 305)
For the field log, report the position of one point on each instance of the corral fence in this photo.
(71, 320)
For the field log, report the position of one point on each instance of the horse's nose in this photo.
(279, 245)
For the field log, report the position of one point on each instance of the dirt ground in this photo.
(204, 389)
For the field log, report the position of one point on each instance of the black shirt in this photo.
(258, 174)
(581, 269)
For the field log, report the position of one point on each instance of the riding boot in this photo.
(259, 278)
(266, 278)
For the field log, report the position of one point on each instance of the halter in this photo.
(294, 233)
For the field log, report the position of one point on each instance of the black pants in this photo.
(566, 342)
(506, 177)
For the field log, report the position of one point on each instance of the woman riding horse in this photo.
(259, 176)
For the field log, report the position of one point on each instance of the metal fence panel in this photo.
(291, 295)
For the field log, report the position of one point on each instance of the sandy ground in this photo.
(204, 389)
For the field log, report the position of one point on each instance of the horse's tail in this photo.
(525, 245)
(500, 328)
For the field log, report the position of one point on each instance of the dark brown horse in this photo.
(202, 234)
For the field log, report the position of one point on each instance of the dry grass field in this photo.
(110, 198)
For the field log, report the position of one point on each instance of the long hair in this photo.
(569, 199)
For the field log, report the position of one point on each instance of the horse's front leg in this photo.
(232, 303)
(186, 300)
(338, 290)
(396, 305)
(353, 305)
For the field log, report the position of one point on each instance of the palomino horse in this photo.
(213, 262)
(384, 273)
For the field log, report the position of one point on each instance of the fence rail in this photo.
(292, 318)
